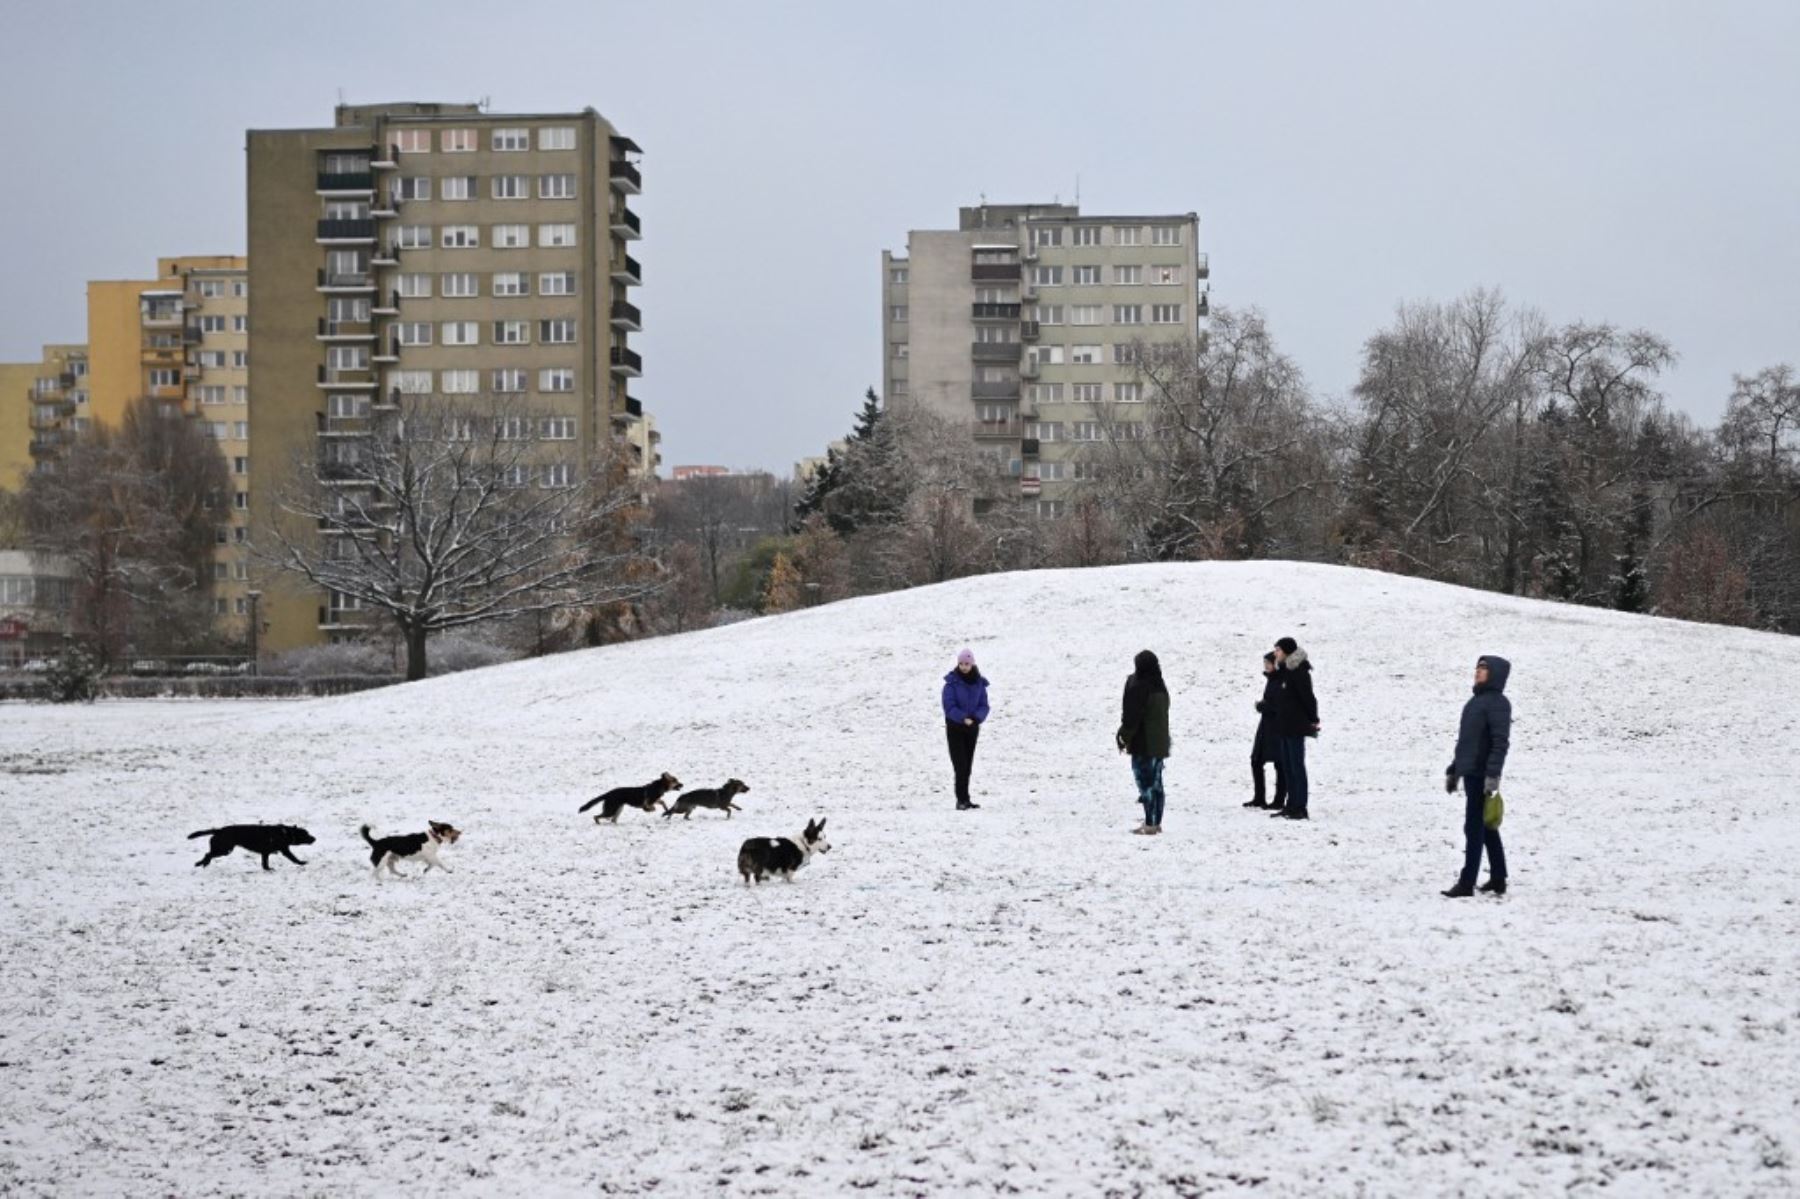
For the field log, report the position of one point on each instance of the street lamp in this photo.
(254, 629)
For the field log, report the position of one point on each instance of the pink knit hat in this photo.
(965, 657)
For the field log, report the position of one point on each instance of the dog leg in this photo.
(265, 859)
(289, 855)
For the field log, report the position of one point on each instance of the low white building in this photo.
(36, 591)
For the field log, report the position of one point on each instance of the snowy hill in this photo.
(1023, 998)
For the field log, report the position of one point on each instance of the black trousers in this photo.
(962, 754)
(1259, 756)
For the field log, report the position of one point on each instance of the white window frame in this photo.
(550, 236)
(1087, 355)
(512, 333)
(559, 278)
(512, 237)
(510, 140)
(459, 382)
(461, 285)
(557, 331)
(456, 188)
(414, 286)
(460, 237)
(510, 380)
(556, 380)
(457, 141)
(560, 186)
(510, 284)
(410, 141)
(556, 137)
(461, 333)
(510, 187)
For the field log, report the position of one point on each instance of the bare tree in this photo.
(1765, 410)
(721, 516)
(441, 516)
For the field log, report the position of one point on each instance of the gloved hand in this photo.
(1119, 740)
(1491, 787)
(1449, 782)
(1259, 705)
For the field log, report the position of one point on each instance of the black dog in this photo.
(263, 839)
(719, 800)
(646, 797)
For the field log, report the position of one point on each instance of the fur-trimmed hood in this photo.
(1297, 661)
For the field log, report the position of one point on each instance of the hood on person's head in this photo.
(1269, 662)
(1146, 665)
(1498, 669)
(1297, 660)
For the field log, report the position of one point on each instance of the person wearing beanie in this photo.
(965, 708)
(1482, 740)
(1144, 734)
(1266, 748)
(1296, 719)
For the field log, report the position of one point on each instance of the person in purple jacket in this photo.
(965, 707)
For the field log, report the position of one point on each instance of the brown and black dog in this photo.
(718, 799)
(646, 798)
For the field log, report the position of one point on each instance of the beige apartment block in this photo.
(417, 250)
(52, 406)
(18, 422)
(1023, 323)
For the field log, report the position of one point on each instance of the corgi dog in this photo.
(763, 856)
(719, 800)
(646, 798)
(388, 851)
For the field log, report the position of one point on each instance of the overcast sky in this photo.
(1630, 161)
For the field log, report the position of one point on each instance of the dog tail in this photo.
(366, 837)
(205, 832)
(590, 803)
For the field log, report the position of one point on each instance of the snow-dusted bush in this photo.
(327, 661)
(452, 652)
(74, 677)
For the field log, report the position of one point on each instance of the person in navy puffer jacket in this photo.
(965, 708)
(1481, 744)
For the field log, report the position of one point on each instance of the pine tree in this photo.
(782, 593)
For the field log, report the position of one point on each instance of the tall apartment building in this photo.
(436, 250)
(18, 422)
(55, 403)
(1024, 321)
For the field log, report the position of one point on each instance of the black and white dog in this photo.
(719, 800)
(647, 798)
(386, 851)
(762, 856)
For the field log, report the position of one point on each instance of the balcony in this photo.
(342, 618)
(346, 377)
(627, 363)
(1028, 369)
(161, 356)
(996, 312)
(625, 224)
(1201, 270)
(994, 272)
(191, 335)
(346, 232)
(1028, 330)
(391, 401)
(626, 316)
(1028, 447)
(384, 158)
(628, 272)
(995, 351)
(1204, 307)
(1008, 390)
(1008, 430)
(330, 330)
(345, 281)
(1030, 485)
(163, 318)
(48, 444)
(625, 177)
(634, 408)
(342, 426)
(386, 353)
(383, 206)
(388, 307)
(388, 255)
(354, 183)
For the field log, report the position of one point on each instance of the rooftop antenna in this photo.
(485, 102)
(1078, 189)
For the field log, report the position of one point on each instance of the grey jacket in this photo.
(1486, 731)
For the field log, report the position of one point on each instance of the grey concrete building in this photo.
(1023, 322)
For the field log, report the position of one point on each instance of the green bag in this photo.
(1493, 810)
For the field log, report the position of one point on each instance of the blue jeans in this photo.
(1478, 836)
(1148, 773)
(1291, 756)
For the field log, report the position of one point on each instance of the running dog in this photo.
(265, 840)
(648, 798)
(387, 851)
(718, 800)
(763, 856)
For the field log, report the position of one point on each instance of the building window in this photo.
(512, 237)
(461, 286)
(509, 381)
(347, 358)
(1085, 314)
(1165, 314)
(1084, 355)
(901, 349)
(1128, 393)
(1084, 430)
(413, 237)
(164, 377)
(1165, 275)
(413, 333)
(1128, 314)
(219, 602)
(556, 187)
(411, 383)
(558, 428)
(1128, 235)
(240, 323)
(996, 334)
(240, 571)
(212, 324)
(210, 359)
(512, 187)
(1050, 235)
(513, 428)
(414, 287)
(1050, 472)
(1084, 276)
(240, 359)
(509, 283)
(512, 333)
(240, 431)
(457, 141)
(556, 235)
(897, 275)
(412, 187)
(411, 141)
(348, 404)
(1125, 353)
(241, 501)
(510, 139)
(1047, 276)
(558, 474)
(240, 394)
(211, 393)
(209, 289)
(1128, 275)
(462, 333)
(556, 283)
(459, 382)
(1165, 235)
(556, 379)
(457, 187)
(1050, 509)
(557, 332)
(897, 314)
(1086, 235)
(1046, 355)
(1046, 393)
(556, 137)
(1048, 314)
(1044, 430)
(1085, 393)
(461, 237)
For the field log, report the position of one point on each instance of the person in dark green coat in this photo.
(1144, 734)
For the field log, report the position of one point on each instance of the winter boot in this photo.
(1294, 814)
(1494, 886)
(1461, 890)
(1257, 803)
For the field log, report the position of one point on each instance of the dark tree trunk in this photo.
(415, 652)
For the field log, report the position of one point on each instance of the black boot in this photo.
(1461, 890)
(1257, 803)
(1293, 814)
(1494, 886)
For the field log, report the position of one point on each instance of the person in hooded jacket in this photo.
(1482, 740)
(1266, 749)
(965, 708)
(1144, 734)
(1296, 719)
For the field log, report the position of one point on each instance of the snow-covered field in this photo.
(1023, 999)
